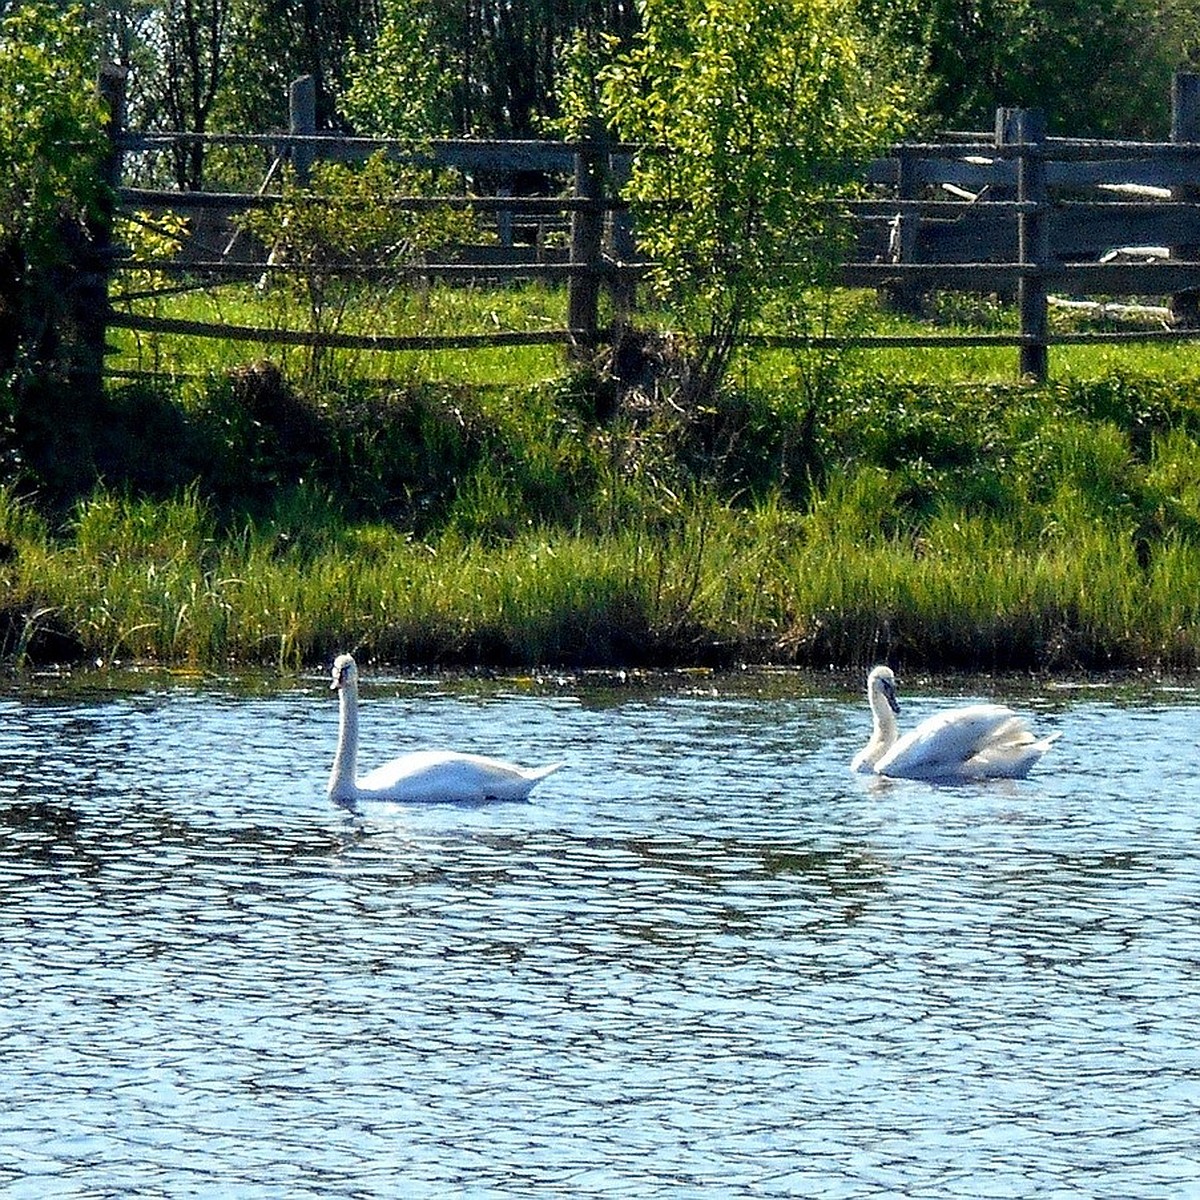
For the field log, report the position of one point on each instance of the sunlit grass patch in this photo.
(402, 311)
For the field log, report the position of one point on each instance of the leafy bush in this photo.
(51, 146)
(347, 217)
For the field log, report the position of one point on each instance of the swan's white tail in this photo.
(536, 774)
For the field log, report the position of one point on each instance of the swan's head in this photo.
(345, 673)
(881, 683)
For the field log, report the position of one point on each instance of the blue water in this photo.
(704, 959)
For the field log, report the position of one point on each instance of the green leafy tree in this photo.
(51, 197)
(403, 86)
(753, 115)
(195, 56)
(273, 42)
(487, 67)
(1099, 68)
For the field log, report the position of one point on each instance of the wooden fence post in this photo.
(1185, 127)
(1025, 128)
(302, 122)
(587, 238)
(905, 296)
(89, 301)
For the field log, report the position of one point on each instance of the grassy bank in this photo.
(153, 582)
(902, 515)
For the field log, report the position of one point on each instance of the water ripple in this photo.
(704, 958)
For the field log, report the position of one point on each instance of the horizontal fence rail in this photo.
(338, 341)
(1018, 213)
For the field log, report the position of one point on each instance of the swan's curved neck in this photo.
(885, 729)
(343, 777)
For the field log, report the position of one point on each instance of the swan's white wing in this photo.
(944, 746)
(1009, 759)
(449, 775)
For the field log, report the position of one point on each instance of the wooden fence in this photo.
(1015, 212)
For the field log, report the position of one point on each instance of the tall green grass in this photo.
(829, 585)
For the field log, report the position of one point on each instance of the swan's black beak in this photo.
(890, 693)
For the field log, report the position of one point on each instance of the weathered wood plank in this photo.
(1124, 279)
(336, 341)
(967, 277)
(465, 272)
(461, 153)
(555, 337)
(1163, 172)
(234, 202)
(1088, 279)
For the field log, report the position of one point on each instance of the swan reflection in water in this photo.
(974, 741)
(423, 775)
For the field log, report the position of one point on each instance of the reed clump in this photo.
(982, 527)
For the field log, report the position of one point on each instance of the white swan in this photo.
(432, 775)
(976, 741)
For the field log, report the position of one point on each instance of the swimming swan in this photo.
(432, 775)
(976, 741)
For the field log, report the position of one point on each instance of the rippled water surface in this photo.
(704, 958)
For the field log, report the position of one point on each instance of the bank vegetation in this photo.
(819, 512)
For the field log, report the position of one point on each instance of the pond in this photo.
(703, 958)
